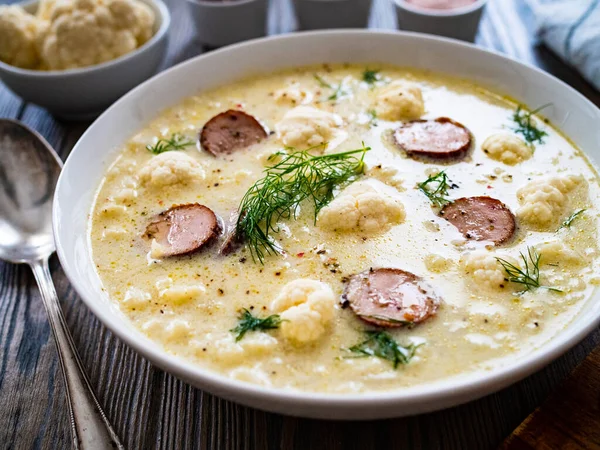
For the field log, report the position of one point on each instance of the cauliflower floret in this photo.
(305, 126)
(485, 270)
(306, 308)
(556, 252)
(388, 175)
(45, 9)
(361, 207)
(136, 299)
(437, 263)
(178, 294)
(88, 32)
(400, 100)
(543, 201)
(506, 148)
(293, 94)
(170, 168)
(19, 36)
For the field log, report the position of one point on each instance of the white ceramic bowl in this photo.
(458, 23)
(80, 94)
(224, 22)
(97, 148)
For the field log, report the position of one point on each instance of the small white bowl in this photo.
(458, 23)
(319, 14)
(81, 94)
(224, 22)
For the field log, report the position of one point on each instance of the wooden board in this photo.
(569, 418)
(151, 409)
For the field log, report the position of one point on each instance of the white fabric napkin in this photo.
(571, 28)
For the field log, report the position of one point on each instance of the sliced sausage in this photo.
(390, 297)
(182, 229)
(229, 131)
(481, 218)
(440, 139)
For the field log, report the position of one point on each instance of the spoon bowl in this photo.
(29, 169)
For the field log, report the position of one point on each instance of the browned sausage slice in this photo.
(481, 218)
(229, 131)
(182, 229)
(390, 297)
(442, 138)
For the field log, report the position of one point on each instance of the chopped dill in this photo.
(436, 189)
(322, 81)
(338, 91)
(295, 177)
(567, 223)
(175, 142)
(248, 322)
(382, 345)
(529, 276)
(372, 117)
(527, 127)
(370, 76)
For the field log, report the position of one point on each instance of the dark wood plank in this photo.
(569, 418)
(151, 409)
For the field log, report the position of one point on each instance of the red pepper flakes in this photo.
(300, 255)
(489, 187)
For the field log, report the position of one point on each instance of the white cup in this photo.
(220, 23)
(317, 14)
(458, 23)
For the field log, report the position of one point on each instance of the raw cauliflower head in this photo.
(171, 168)
(361, 207)
(306, 126)
(485, 270)
(506, 148)
(88, 32)
(543, 201)
(20, 33)
(400, 100)
(306, 309)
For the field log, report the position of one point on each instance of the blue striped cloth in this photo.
(571, 29)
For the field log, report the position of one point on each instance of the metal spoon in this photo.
(29, 170)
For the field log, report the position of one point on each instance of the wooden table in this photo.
(150, 408)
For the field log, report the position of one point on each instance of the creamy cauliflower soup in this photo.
(347, 229)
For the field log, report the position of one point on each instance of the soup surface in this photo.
(490, 217)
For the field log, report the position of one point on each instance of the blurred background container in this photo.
(226, 22)
(318, 14)
(457, 19)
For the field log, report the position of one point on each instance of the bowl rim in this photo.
(165, 17)
(445, 391)
(451, 12)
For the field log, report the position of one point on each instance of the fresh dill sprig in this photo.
(175, 142)
(436, 189)
(527, 127)
(567, 223)
(322, 81)
(370, 76)
(529, 275)
(248, 322)
(372, 117)
(296, 177)
(382, 345)
(338, 91)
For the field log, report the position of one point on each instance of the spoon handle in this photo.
(89, 425)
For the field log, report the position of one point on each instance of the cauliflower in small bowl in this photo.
(76, 57)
